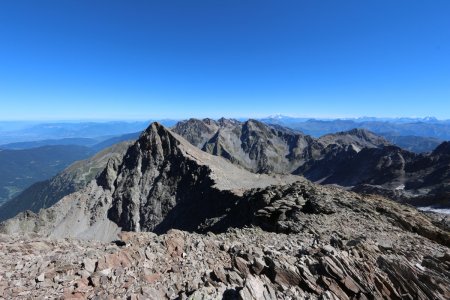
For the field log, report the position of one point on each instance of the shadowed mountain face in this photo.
(422, 180)
(348, 167)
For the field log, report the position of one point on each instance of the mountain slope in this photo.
(417, 144)
(51, 142)
(44, 193)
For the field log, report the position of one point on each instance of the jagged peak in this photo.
(153, 127)
(225, 122)
(209, 121)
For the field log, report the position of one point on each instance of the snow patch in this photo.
(436, 210)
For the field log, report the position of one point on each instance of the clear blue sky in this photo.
(110, 59)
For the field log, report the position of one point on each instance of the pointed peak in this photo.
(226, 122)
(154, 132)
(154, 125)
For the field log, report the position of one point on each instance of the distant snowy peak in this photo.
(277, 116)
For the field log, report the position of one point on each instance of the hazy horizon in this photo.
(274, 116)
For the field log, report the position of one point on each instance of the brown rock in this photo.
(242, 265)
(114, 260)
(151, 278)
(175, 243)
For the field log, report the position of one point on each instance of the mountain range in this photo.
(413, 134)
(356, 159)
(223, 231)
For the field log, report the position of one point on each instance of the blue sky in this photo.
(112, 59)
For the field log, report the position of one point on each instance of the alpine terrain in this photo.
(219, 210)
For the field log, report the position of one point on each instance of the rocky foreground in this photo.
(301, 242)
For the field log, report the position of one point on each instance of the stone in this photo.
(253, 289)
(151, 278)
(258, 265)
(242, 265)
(40, 278)
(89, 265)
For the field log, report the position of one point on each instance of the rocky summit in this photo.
(166, 220)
